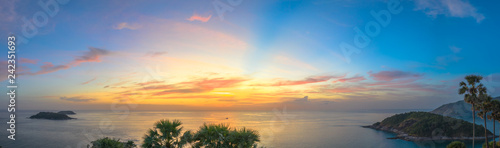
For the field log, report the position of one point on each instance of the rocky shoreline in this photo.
(403, 136)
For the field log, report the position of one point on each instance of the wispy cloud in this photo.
(77, 99)
(308, 80)
(196, 17)
(392, 75)
(125, 25)
(48, 68)
(87, 82)
(451, 8)
(26, 60)
(196, 86)
(356, 78)
(93, 55)
(155, 54)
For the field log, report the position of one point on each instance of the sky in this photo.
(249, 55)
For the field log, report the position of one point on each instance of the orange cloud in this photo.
(197, 86)
(197, 17)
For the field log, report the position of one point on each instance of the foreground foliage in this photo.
(456, 144)
(111, 143)
(168, 134)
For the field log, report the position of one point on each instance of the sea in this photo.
(278, 128)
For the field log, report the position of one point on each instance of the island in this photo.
(421, 126)
(67, 112)
(51, 116)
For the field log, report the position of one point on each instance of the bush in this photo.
(456, 144)
(111, 143)
(490, 144)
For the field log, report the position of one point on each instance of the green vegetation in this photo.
(425, 124)
(51, 116)
(456, 144)
(490, 144)
(221, 135)
(167, 133)
(494, 116)
(111, 143)
(471, 90)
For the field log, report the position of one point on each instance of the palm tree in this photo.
(494, 116)
(485, 107)
(111, 143)
(220, 135)
(212, 136)
(166, 133)
(471, 91)
(244, 138)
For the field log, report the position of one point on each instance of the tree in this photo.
(244, 138)
(490, 144)
(456, 144)
(221, 135)
(485, 107)
(494, 116)
(166, 133)
(111, 143)
(471, 90)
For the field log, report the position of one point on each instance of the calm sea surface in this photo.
(277, 128)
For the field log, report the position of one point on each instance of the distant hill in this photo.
(67, 112)
(50, 116)
(418, 126)
(459, 109)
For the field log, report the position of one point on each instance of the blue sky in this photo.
(258, 55)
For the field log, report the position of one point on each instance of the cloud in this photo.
(308, 80)
(196, 86)
(447, 59)
(356, 78)
(48, 68)
(87, 82)
(455, 49)
(155, 54)
(77, 99)
(93, 55)
(26, 60)
(197, 17)
(125, 25)
(450, 8)
(391, 75)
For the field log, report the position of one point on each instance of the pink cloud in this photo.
(26, 60)
(391, 75)
(87, 82)
(308, 80)
(197, 17)
(93, 55)
(356, 78)
(48, 68)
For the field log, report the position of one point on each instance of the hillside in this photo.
(459, 110)
(415, 126)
